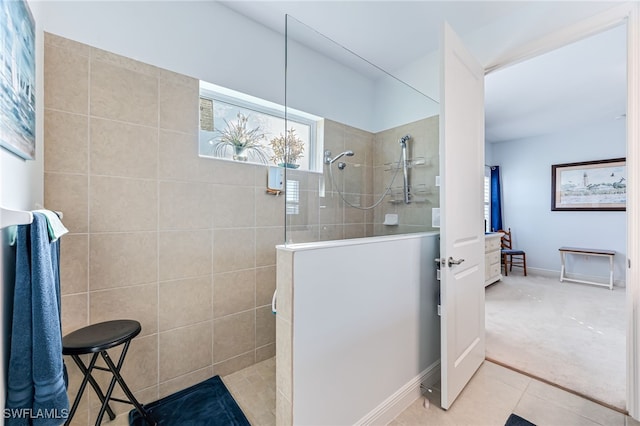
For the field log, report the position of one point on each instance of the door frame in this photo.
(628, 13)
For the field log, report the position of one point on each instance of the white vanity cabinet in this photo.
(492, 267)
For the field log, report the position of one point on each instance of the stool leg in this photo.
(117, 377)
(87, 378)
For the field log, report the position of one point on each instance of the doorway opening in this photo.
(567, 105)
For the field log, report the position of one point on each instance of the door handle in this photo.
(452, 261)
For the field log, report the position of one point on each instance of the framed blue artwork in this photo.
(17, 79)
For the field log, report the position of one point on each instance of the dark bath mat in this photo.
(515, 420)
(208, 403)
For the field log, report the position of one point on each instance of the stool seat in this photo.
(99, 337)
(95, 339)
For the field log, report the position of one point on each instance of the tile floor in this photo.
(492, 395)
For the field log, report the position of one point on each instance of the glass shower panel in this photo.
(375, 154)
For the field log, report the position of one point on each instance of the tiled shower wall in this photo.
(183, 244)
(323, 214)
(423, 147)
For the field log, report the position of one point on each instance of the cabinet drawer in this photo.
(492, 258)
(491, 244)
(495, 270)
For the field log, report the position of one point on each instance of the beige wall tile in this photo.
(67, 80)
(361, 143)
(265, 326)
(68, 194)
(233, 249)
(124, 150)
(334, 137)
(179, 105)
(353, 215)
(284, 357)
(233, 292)
(124, 62)
(308, 210)
(65, 142)
(185, 381)
(120, 94)
(178, 78)
(355, 231)
(139, 303)
(140, 369)
(284, 283)
(184, 254)
(265, 285)
(235, 364)
(235, 172)
(185, 205)
(331, 209)
(331, 232)
(266, 241)
(65, 43)
(233, 206)
(74, 312)
(284, 410)
(178, 156)
(269, 209)
(185, 350)
(123, 259)
(122, 204)
(74, 264)
(233, 335)
(185, 302)
(265, 352)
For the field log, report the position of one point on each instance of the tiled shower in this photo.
(184, 244)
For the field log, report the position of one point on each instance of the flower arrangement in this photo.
(287, 149)
(244, 142)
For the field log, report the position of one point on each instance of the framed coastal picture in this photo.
(17, 79)
(590, 185)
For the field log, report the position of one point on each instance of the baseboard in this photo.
(391, 407)
(548, 273)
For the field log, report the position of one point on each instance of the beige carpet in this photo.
(569, 334)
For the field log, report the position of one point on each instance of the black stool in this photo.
(96, 339)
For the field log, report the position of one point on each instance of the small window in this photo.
(487, 203)
(239, 127)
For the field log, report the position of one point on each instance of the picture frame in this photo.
(589, 186)
(17, 79)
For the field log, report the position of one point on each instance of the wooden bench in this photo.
(586, 252)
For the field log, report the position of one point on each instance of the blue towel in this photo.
(35, 377)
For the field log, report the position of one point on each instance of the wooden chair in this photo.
(511, 257)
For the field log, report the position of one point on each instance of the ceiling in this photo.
(580, 83)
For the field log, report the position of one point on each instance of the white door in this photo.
(461, 215)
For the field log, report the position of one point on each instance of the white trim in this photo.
(596, 24)
(391, 407)
(633, 210)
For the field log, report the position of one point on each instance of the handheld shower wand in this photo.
(329, 160)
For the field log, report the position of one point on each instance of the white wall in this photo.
(365, 325)
(210, 42)
(525, 167)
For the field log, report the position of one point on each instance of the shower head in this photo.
(403, 140)
(347, 153)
